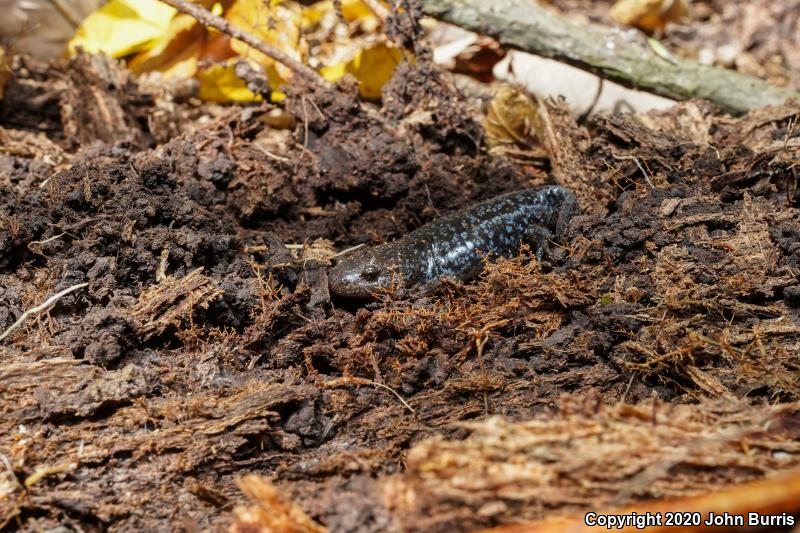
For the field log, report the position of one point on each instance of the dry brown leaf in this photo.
(512, 123)
(511, 118)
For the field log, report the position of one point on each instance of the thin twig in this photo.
(638, 164)
(51, 239)
(347, 251)
(43, 472)
(644, 172)
(349, 380)
(207, 18)
(270, 154)
(41, 307)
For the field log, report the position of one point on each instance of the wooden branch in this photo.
(208, 19)
(619, 55)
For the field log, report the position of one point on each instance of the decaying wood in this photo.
(172, 438)
(771, 496)
(170, 302)
(622, 56)
(592, 457)
(270, 512)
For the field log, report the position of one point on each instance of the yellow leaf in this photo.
(122, 27)
(276, 23)
(333, 72)
(373, 67)
(276, 81)
(649, 15)
(314, 13)
(356, 10)
(183, 65)
(219, 83)
(352, 11)
(175, 52)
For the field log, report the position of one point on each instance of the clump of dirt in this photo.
(205, 345)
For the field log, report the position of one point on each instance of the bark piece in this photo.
(170, 302)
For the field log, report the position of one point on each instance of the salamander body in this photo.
(455, 246)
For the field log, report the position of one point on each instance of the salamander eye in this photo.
(371, 272)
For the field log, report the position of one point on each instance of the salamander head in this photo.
(360, 276)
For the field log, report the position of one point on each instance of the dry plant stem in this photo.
(51, 239)
(41, 307)
(209, 19)
(611, 53)
(347, 251)
(349, 380)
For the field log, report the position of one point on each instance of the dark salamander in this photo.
(456, 246)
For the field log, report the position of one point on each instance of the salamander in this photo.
(455, 246)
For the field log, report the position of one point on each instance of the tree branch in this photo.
(622, 56)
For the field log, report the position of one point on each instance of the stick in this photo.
(207, 18)
(350, 380)
(41, 307)
(624, 57)
(347, 251)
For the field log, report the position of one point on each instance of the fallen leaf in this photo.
(353, 11)
(372, 66)
(275, 23)
(649, 15)
(175, 52)
(179, 46)
(219, 83)
(511, 119)
(122, 27)
(334, 72)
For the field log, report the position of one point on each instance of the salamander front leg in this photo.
(539, 238)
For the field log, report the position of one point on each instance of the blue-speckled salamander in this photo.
(456, 245)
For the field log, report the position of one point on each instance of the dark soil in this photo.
(205, 345)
